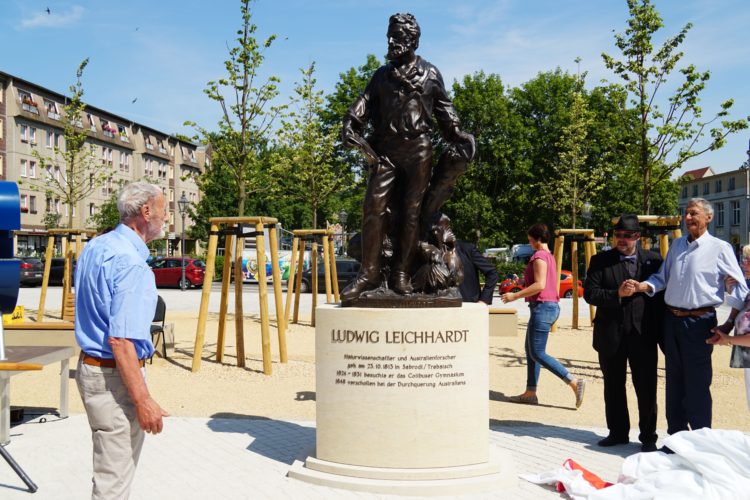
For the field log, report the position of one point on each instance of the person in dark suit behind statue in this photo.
(626, 329)
(474, 263)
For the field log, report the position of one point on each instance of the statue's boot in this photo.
(357, 287)
(400, 283)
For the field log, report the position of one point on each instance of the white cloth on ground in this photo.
(709, 464)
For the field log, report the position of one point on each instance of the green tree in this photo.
(483, 205)
(672, 135)
(306, 157)
(247, 113)
(574, 179)
(107, 216)
(351, 83)
(72, 172)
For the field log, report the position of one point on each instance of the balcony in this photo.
(53, 115)
(124, 138)
(149, 145)
(109, 134)
(30, 107)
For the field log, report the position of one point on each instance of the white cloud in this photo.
(53, 19)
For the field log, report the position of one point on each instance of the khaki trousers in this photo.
(115, 432)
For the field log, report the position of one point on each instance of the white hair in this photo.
(704, 204)
(133, 196)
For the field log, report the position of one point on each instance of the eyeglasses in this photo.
(627, 235)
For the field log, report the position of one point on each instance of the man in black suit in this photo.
(626, 328)
(474, 263)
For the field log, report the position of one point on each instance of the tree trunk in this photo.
(241, 205)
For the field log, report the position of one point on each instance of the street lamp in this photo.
(182, 204)
(342, 219)
(586, 213)
(745, 167)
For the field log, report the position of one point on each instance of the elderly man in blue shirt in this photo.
(693, 276)
(115, 303)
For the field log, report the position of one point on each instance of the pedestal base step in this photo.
(496, 474)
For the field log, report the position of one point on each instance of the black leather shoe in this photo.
(401, 283)
(667, 450)
(360, 285)
(612, 441)
(648, 447)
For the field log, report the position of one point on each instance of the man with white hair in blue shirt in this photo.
(693, 275)
(115, 303)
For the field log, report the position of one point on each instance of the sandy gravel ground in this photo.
(289, 394)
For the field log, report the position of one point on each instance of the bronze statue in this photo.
(403, 192)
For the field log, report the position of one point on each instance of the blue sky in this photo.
(162, 52)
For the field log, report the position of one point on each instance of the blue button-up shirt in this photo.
(115, 294)
(693, 274)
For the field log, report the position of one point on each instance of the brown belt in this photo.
(104, 362)
(682, 313)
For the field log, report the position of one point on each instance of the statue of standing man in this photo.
(403, 192)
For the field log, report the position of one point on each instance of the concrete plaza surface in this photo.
(236, 432)
(248, 458)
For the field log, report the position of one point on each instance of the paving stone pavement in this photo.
(197, 458)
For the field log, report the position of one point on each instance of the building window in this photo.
(54, 139)
(1, 128)
(27, 102)
(32, 204)
(148, 142)
(107, 187)
(32, 169)
(162, 149)
(32, 135)
(706, 188)
(22, 170)
(2, 166)
(731, 184)
(717, 187)
(735, 213)
(684, 190)
(23, 132)
(92, 209)
(695, 190)
(124, 162)
(24, 203)
(109, 130)
(51, 108)
(720, 215)
(106, 155)
(92, 125)
(123, 132)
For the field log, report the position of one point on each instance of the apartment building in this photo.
(30, 121)
(729, 193)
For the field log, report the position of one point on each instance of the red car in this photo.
(566, 285)
(168, 271)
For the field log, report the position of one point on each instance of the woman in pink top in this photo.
(541, 293)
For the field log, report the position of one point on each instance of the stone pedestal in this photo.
(402, 401)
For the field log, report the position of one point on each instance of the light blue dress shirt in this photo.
(693, 274)
(115, 294)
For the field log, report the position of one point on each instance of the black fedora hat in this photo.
(628, 222)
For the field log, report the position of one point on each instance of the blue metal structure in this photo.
(10, 268)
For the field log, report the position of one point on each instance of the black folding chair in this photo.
(157, 326)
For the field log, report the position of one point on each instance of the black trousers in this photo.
(402, 189)
(640, 353)
(689, 371)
